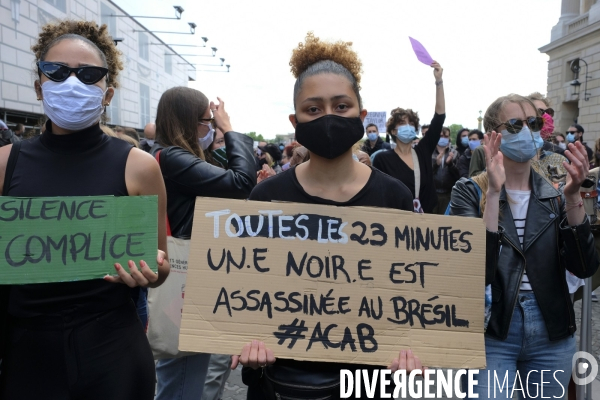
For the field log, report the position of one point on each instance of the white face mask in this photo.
(207, 140)
(150, 142)
(72, 104)
(562, 145)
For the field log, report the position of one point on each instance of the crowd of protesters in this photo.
(85, 339)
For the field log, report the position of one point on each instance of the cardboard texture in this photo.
(61, 239)
(373, 281)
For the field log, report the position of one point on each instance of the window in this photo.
(106, 19)
(60, 4)
(143, 41)
(144, 104)
(113, 110)
(169, 63)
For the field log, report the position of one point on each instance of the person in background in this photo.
(185, 125)
(462, 141)
(78, 338)
(149, 137)
(424, 129)
(597, 153)
(575, 134)
(20, 130)
(445, 171)
(273, 151)
(406, 163)
(217, 153)
(559, 140)
(542, 104)
(363, 157)
(287, 154)
(374, 141)
(464, 162)
(416, 142)
(301, 154)
(7, 136)
(132, 133)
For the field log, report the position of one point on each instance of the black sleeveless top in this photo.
(85, 163)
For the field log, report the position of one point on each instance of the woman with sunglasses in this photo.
(80, 339)
(534, 231)
(328, 122)
(185, 127)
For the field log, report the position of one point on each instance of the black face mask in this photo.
(330, 136)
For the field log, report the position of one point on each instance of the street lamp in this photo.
(575, 67)
(212, 65)
(178, 11)
(192, 30)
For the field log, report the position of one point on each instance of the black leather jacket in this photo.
(550, 246)
(187, 177)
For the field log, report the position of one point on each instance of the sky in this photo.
(488, 48)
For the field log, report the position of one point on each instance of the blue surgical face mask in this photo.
(281, 147)
(570, 137)
(373, 136)
(473, 144)
(443, 142)
(465, 141)
(537, 138)
(519, 147)
(406, 133)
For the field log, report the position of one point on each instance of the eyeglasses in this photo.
(549, 111)
(515, 125)
(211, 120)
(59, 72)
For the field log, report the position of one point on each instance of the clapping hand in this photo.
(577, 170)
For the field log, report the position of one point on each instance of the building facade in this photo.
(575, 41)
(151, 67)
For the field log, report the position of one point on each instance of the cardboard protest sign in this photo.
(420, 51)
(61, 239)
(378, 118)
(339, 284)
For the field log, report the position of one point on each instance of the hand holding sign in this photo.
(143, 276)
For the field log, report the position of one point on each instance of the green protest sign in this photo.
(60, 239)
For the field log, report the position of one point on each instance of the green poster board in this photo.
(61, 239)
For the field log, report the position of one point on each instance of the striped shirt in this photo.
(519, 202)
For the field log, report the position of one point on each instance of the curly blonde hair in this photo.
(87, 31)
(317, 57)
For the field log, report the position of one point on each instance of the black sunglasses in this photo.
(212, 121)
(515, 125)
(59, 72)
(549, 111)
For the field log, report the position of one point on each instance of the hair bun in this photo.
(314, 50)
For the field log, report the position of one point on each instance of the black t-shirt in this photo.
(390, 163)
(379, 191)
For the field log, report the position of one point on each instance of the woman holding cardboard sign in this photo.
(80, 339)
(328, 122)
(534, 232)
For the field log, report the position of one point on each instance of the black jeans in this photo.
(105, 356)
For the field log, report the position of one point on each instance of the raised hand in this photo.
(493, 161)
(254, 355)
(437, 70)
(221, 116)
(577, 170)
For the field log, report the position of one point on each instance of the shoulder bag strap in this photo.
(417, 168)
(157, 156)
(10, 166)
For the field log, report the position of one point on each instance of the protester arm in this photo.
(195, 177)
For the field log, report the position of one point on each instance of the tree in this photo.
(255, 137)
(454, 128)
